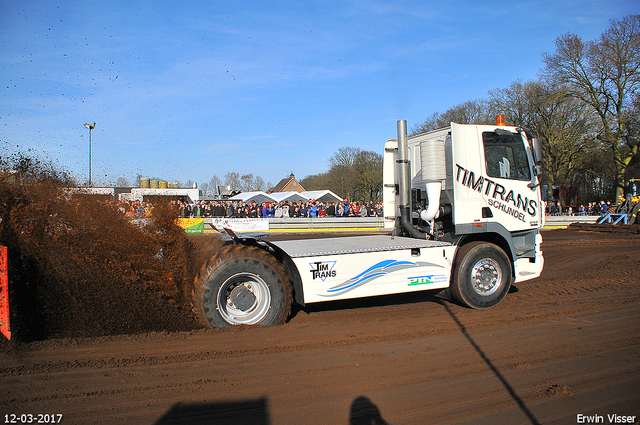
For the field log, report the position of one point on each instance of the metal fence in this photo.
(356, 224)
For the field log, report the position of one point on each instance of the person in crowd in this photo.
(292, 209)
(277, 213)
(205, 210)
(362, 210)
(331, 209)
(269, 210)
(252, 210)
(219, 209)
(345, 207)
(312, 208)
(379, 210)
(350, 210)
(604, 208)
(140, 208)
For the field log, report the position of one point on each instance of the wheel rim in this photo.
(486, 276)
(243, 298)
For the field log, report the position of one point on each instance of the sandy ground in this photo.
(562, 346)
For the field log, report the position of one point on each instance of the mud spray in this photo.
(78, 268)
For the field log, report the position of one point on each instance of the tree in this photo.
(341, 179)
(567, 131)
(259, 184)
(470, 112)
(342, 175)
(515, 103)
(354, 174)
(564, 126)
(214, 185)
(205, 189)
(122, 182)
(318, 182)
(603, 74)
(247, 182)
(211, 188)
(632, 137)
(346, 156)
(368, 169)
(232, 179)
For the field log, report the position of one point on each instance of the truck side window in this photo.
(505, 156)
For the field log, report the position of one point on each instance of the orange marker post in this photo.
(4, 293)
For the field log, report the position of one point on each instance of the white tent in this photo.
(289, 196)
(260, 197)
(322, 196)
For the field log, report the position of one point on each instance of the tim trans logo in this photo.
(322, 269)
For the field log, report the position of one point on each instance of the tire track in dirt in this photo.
(47, 366)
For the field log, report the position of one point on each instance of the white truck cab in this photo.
(486, 188)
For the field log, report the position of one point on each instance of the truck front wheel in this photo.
(482, 275)
(242, 285)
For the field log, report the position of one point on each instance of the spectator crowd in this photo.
(285, 209)
(592, 208)
(251, 209)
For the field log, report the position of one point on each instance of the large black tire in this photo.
(482, 275)
(633, 216)
(242, 285)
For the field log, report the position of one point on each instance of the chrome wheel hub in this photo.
(486, 276)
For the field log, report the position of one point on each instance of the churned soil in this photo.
(557, 350)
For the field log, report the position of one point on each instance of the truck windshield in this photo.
(505, 156)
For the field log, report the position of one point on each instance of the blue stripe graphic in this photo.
(381, 269)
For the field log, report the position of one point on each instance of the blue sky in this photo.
(187, 90)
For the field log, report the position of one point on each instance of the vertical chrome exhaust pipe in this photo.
(404, 183)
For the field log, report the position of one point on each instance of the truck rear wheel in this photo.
(242, 285)
(482, 275)
(633, 217)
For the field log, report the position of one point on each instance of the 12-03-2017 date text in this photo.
(29, 418)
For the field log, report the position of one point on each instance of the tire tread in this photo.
(458, 283)
(239, 254)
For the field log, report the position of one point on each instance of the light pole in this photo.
(90, 127)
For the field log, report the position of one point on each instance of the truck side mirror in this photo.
(537, 150)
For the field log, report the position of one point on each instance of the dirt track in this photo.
(565, 345)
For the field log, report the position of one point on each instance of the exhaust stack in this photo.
(404, 184)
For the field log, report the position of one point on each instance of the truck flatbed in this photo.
(352, 245)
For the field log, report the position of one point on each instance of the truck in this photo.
(463, 213)
(629, 204)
